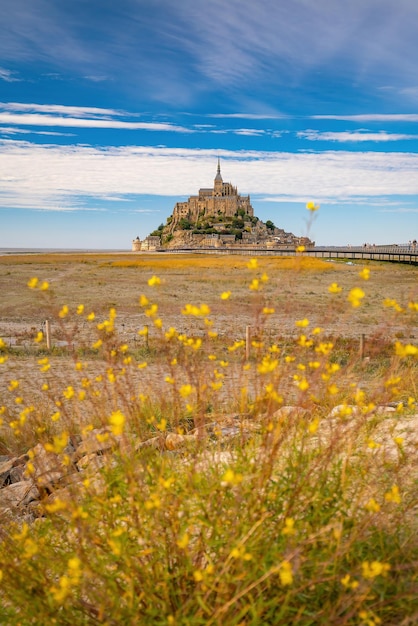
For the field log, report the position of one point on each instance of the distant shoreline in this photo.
(7, 251)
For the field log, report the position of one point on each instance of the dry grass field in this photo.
(297, 288)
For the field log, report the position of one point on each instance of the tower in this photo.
(218, 183)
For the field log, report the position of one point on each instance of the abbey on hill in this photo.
(217, 217)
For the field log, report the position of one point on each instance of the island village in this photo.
(218, 217)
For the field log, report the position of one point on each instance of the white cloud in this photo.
(13, 130)
(8, 76)
(370, 117)
(247, 116)
(65, 177)
(399, 210)
(29, 119)
(73, 111)
(354, 136)
(249, 132)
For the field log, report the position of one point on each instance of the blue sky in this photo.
(111, 112)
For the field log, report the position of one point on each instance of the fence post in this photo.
(361, 348)
(48, 334)
(247, 342)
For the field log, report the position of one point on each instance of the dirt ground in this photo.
(296, 289)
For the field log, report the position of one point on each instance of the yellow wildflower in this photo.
(365, 273)
(334, 288)
(347, 582)
(185, 390)
(252, 264)
(391, 303)
(289, 526)
(64, 311)
(201, 311)
(314, 425)
(231, 478)
(286, 573)
(183, 542)
(68, 393)
(303, 384)
(372, 506)
(374, 569)
(58, 444)
(405, 350)
(311, 206)
(369, 618)
(117, 422)
(240, 552)
(355, 296)
(304, 342)
(33, 283)
(153, 281)
(314, 364)
(393, 495)
(225, 295)
(267, 365)
(162, 425)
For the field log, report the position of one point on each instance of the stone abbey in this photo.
(216, 217)
(223, 199)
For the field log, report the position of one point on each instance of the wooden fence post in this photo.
(247, 342)
(48, 334)
(361, 348)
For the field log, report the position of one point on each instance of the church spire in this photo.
(218, 176)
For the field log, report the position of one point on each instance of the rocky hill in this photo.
(217, 217)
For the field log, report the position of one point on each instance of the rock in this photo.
(98, 441)
(381, 410)
(18, 494)
(47, 465)
(344, 410)
(174, 441)
(5, 469)
(158, 443)
(290, 411)
(17, 474)
(91, 461)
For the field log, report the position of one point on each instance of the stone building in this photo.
(149, 243)
(223, 199)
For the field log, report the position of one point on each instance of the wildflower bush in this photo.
(232, 480)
